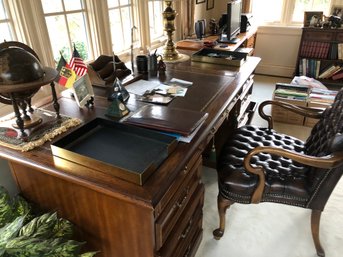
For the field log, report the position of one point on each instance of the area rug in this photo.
(49, 128)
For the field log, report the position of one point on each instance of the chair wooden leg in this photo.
(315, 222)
(223, 205)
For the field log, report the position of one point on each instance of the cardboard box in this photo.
(310, 122)
(280, 114)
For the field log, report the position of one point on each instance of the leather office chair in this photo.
(260, 165)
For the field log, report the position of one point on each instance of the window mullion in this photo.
(143, 18)
(9, 19)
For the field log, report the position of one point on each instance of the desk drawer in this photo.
(177, 205)
(188, 225)
(174, 188)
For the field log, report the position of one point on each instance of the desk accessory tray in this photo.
(128, 152)
(215, 56)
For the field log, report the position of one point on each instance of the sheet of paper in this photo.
(140, 86)
(180, 82)
(172, 90)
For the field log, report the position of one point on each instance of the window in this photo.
(5, 23)
(121, 23)
(286, 12)
(309, 5)
(66, 22)
(156, 19)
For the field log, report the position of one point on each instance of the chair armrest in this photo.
(327, 162)
(304, 111)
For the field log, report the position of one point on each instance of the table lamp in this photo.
(169, 52)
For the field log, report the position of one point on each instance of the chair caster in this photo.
(217, 233)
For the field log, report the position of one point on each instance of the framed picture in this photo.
(312, 19)
(83, 90)
(209, 4)
(337, 11)
(200, 1)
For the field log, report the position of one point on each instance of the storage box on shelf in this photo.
(282, 115)
(319, 98)
(320, 55)
(293, 94)
(300, 96)
(310, 122)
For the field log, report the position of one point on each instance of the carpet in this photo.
(49, 128)
(269, 229)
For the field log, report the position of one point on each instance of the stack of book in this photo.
(330, 72)
(322, 96)
(290, 91)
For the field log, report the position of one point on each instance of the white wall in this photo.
(278, 49)
(201, 12)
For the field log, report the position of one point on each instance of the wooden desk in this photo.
(246, 39)
(121, 219)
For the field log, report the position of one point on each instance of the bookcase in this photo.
(320, 55)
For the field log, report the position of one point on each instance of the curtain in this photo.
(185, 19)
(246, 7)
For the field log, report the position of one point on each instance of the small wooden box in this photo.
(310, 122)
(280, 114)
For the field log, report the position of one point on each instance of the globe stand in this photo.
(21, 80)
(25, 121)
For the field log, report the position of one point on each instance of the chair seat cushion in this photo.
(285, 179)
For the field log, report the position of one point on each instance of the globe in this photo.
(21, 76)
(19, 66)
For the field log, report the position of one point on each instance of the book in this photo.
(168, 119)
(329, 72)
(294, 87)
(322, 95)
(338, 75)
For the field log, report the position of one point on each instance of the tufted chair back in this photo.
(319, 144)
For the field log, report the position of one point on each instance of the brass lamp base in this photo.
(169, 53)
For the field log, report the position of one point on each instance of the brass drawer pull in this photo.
(187, 253)
(185, 170)
(184, 234)
(184, 198)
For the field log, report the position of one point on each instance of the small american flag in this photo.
(77, 64)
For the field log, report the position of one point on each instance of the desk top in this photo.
(219, 87)
(195, 45)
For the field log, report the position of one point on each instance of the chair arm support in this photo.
(304, 111)
(329, 161)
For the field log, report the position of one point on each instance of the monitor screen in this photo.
(234, 18)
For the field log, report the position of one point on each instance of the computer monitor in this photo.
(233, 22)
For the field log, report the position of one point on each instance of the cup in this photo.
(142, 64)
(153, 63)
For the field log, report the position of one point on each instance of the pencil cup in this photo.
(142, 64)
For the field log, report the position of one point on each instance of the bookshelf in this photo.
(320, 55)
